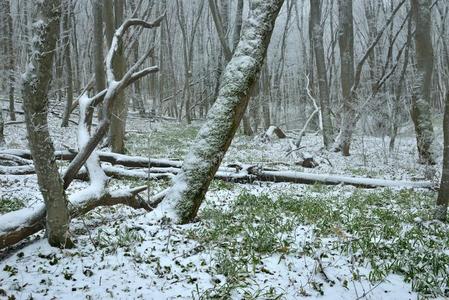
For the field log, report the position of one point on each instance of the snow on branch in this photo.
(107, 96)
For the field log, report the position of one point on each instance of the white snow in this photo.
(157, 261)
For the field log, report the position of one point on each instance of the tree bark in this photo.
(214, 138)
(317, 31)
(10, 57)
(2, 128)
(68, 63)
(100, 78)
(120, 105)
(421, 111)
(443, 193)
(346, 44)
(36, 80)
(398, 91)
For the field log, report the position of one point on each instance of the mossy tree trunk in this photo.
(207, 151)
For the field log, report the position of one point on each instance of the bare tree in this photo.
(421, 112)
(214, 138)
(188, 39)
(350, 78)
(42, 151)
(100, 81)
(318, 49)
(120, 106)
(346, 43)
(2, 125)
(68, 62)
(35, 85)
(443, 193)
(10, 57)
(399, 88)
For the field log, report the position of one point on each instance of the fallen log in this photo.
(253, 174)
(12, 160)
(17, 170)
(18, 225)
(233, 173)
(112, 158)
(327, 179)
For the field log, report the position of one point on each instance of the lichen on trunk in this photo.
(35, 85)
(207, 151)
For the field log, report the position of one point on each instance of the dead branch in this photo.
(18, 225)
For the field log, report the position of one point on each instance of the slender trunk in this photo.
(2, 126)
(266, 114)
(317, 31)
(120, 105)
(346, 44)
(162, 69)
(421, 111)
(108, 17)
(35, 86)
(443, 193)
(10, 57)
(100, 78)
(399, 89)
(68, 63)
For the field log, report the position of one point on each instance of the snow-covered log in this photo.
(12, 160)
(252, 173)
(18, 225)
(165, 168)
(17, 170)
(113, 158)
(328, 179)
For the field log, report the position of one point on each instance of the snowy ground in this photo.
(258, 241)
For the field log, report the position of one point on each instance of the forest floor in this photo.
(251, 241)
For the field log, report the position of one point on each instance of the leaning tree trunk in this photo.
(346, 44)
(421, 112)
(443, 193)
(206, 153)
(35, 86)
(317, 30)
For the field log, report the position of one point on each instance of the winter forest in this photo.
(224, 149)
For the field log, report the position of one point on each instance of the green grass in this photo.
(169, 141)
(217, 185)
(8, 205)
(125, 238)
(364, 172)
(390, 231)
